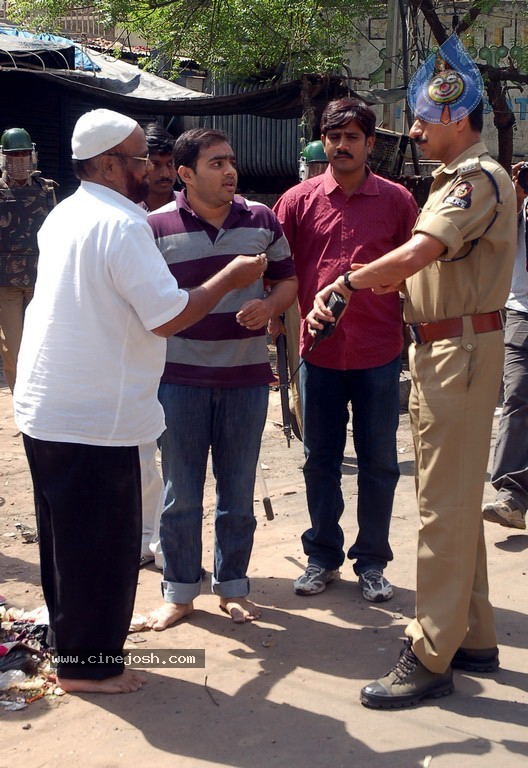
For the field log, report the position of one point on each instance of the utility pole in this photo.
(392, 56)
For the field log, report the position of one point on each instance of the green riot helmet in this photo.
(18, 157)
(16, 140)
(314, 153)
(312, 161)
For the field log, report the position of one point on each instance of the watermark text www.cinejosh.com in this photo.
(147, 659)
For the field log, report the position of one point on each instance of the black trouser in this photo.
(88, 506)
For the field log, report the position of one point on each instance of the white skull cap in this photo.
(98, 131)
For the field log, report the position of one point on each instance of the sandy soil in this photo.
(282, 691)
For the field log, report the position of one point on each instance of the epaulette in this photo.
(45, 184)
(470, 167)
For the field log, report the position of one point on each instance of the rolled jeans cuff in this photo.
(180, 593)
(233, 588)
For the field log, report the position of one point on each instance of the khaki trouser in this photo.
(13, 303)
(455, 384)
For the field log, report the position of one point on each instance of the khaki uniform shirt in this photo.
(473, 275)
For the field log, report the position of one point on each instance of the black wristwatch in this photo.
(348, 284)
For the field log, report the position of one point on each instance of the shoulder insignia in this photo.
(470, 166)
(460, 195)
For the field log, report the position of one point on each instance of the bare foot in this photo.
(127, 682)
(168, 614)
(240, 609)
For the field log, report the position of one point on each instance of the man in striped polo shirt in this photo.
(214, 389)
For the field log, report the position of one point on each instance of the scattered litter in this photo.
(135, 638)
(209, 693)
(137, 623)
(33, 634)
(8, 616)
(32, 684)
(20, 657)
(29, 535)
(11, 679)
(25, 669)
(13, 705)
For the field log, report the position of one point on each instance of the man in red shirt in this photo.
(348, 216)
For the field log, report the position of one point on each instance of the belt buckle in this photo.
(414, 332)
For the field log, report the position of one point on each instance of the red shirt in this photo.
(327, 232)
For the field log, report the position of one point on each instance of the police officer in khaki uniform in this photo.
(457, 269)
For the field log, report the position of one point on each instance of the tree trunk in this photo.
(503, 120)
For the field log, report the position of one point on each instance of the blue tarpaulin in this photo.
(82, 61)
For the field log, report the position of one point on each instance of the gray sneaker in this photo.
(374, 586)
(501, 512)
(314, 580)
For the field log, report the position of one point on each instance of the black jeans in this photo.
(88, 507)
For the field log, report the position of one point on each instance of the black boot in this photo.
(476, 659)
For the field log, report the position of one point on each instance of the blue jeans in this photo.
(230, 422)
(374, 396)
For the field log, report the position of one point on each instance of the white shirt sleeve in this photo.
(142, 278)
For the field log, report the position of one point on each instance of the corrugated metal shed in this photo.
(264, 147)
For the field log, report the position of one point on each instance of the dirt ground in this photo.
(282, 691)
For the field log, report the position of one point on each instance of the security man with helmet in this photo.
(313, 160)
(26, 198)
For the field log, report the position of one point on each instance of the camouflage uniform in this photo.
(22, 212)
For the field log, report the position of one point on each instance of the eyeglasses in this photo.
(144, 159)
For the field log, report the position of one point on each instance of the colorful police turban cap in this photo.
(447, 86)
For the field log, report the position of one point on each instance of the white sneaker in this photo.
(374, 586)
(314, 580)
(501, 512)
